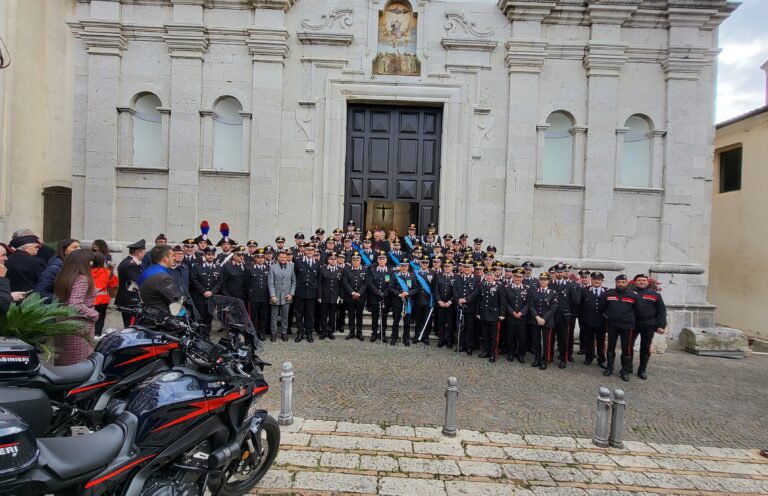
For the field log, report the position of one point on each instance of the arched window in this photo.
(636, 156)
(147, 132)
(228, 135)
(558, 150)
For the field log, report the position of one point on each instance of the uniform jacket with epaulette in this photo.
(378, 282)
(592, 305)
(463, 287)
(620, 307)
(307, 275)
(517, 301)
(491, 301)
(543, 303)
(204, 277)
(651, 311)
(330, 283)
(258, 285)
(444, 286)
(354, 280)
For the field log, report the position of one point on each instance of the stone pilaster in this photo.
(268, 46)
(603, 60)
(104, 43)
(526, 52)
(187, 43)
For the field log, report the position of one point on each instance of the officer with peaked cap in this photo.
(651, 320)
(402, 289)
(377, 297)
(592, 322)
(258, 292)
(517, 296)
(491, 311)
(542, 305)
(204, 282)
(464, 286)
(445, 309)
(129, 270)
(354, 282)
(307, 270)
(330, 294)
(477, 249)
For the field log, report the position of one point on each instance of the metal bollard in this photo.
(617, 419)
(451, 397)
(286, 395)
(603, 418)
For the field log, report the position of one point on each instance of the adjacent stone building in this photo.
(576, 130)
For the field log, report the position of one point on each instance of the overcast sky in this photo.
(744, 41)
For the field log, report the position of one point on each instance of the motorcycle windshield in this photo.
(231, 315)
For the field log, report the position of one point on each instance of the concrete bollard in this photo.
(451, 398)
(602, 426)
(617, 419)
(286, 395)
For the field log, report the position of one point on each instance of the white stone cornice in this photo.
(525, 55)
(526, 10)
(566, 51)
(231, 36)
(689, 18)
(284, 5)
(604, 58)
(268, 45)
(471, 45)
(333, 39)
(204, 3)
(686, 62)
(187, 41)
(612, 13)
(100, 37)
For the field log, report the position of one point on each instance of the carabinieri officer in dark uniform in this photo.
(204, 282)
(619, 308)
(592, 326)
(651, 320)
(307, 271)
(464, 286)
(330, 293)
(258, 293)
(444, 284)
(517, 316)
(354, 282)
(129, 271)
(235, 276)
(542, 306)
(378, 298)
(491, 310)
(402, 289)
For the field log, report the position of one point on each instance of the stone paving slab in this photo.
(351, 458)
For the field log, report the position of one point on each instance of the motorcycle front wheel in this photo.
(244, 473)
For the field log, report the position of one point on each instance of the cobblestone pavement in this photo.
(687, 399)
(324, 457)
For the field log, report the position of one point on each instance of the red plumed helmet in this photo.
(204, 228)
(224, 229)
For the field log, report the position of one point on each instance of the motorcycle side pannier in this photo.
(18, 448)
(18, 360)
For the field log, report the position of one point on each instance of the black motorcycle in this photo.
(182, 432)
(53, 400)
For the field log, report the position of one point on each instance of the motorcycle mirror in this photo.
(133, 287)
(176, 308)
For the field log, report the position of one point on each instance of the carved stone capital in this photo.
(525, 56)
(686, 62)
(526, 10)
(604, 58)
(268, 45)
(186, 41)
(101, 37)
(689, 18)
(284, 5)
(611, 13)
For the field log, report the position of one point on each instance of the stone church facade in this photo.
(577, 130)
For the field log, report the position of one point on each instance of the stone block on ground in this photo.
(714, 341)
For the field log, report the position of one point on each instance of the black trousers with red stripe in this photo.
(623, 335)
(543, 339)
(561, 334)
(490, 331)
(571, 337)
(517, 336)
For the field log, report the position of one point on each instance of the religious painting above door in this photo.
(396, 54)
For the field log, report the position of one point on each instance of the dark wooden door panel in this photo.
(393, 154)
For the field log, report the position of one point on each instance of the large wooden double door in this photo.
(393, 155)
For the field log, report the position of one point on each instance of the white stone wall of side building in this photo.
(498, 71)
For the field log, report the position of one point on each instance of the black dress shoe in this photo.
(492, 359)
(469, 352)
(290, 332)
(298, 338)
(374, 337)
(309, 338)
(608, 372)
(588, 361)
(570, 358)
(536, 363)
(484, 355)
(321, 336)
(641, 374)
(330, 336)
(521, 359)
(510, 358)
(543, 366)
(393, 342)
(441, 345)
(580, 352)
(273, 338)
(601, 365)
(284, 337)
(561, 365)
(406, 342)
(349, 336)
(624, 376)
(360, 336)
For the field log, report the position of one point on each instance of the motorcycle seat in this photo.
(68, 457)
(69, 374)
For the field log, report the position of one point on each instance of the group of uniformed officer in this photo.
(428, 284)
